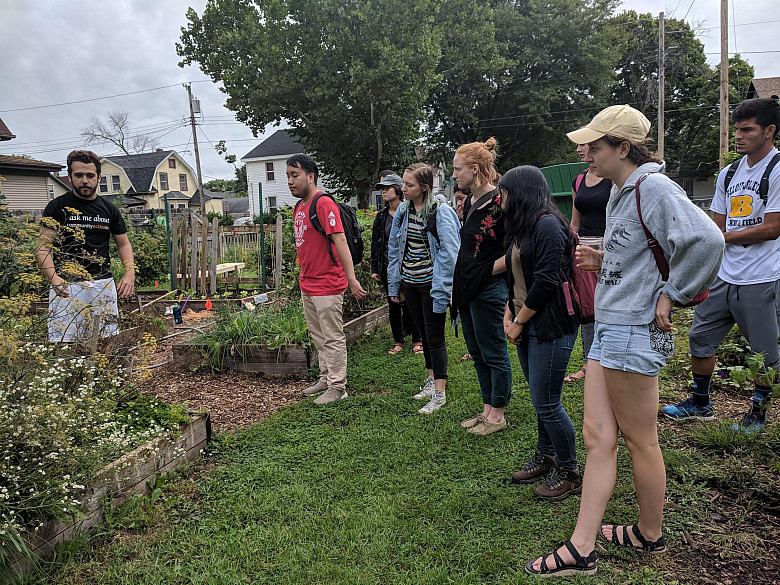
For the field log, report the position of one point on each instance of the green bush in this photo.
(151, 256)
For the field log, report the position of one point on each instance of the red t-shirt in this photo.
(318, 275)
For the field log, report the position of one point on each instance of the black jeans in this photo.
(401, 323)
(431, 326)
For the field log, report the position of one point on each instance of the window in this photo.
(104, 184)
(51, 191)
(272, 204)
(182, 182)
(115, 184)
(269, 171)
(171, 163)
(164, 181)
(181, 206)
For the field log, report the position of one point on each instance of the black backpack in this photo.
(763, 187)
(352, 229)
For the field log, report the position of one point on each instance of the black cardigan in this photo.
(543, 254)
(378, 243)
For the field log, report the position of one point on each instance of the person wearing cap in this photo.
(633, 332)
(401, 323)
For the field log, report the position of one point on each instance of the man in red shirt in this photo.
(322, 283)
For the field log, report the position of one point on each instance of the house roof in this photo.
(5, 133)
(172, 195)
(764, 87)
(195, 199)
(280, 143)
(127, 200)
(21, 163)
(67, 184)
(236, 205)
(140, 168)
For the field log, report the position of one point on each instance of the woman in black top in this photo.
(541, 321)
(479, 288)
(401, 323)
(590, 194)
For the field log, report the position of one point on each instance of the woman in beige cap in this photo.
(633, 332)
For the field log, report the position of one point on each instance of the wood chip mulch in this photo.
(234, 400)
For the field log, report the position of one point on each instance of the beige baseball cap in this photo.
(618, 121)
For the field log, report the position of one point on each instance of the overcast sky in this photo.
(58, 51)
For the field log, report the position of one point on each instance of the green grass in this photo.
(366, 491)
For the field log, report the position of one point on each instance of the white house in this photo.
(266, 169)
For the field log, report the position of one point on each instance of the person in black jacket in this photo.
(542, 322)
(401, 323)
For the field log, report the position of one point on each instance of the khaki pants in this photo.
(323, 317)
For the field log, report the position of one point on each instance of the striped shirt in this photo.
(417, 265)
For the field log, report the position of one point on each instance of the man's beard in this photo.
(85, 192)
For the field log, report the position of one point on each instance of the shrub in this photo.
(150, 254)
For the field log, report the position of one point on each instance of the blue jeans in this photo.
(483, 331)
(544, 366)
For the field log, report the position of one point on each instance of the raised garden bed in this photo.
(287, 360)
(118, 481)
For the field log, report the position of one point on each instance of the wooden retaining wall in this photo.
(130, 474)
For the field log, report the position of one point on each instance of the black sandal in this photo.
(653, 548)
(582, 565)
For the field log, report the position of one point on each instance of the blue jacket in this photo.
(444, 252)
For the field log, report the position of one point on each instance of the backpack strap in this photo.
(317, 224)
(763, 188)
(579, 180)
(652, 243)
(730, 173)
(430, 225)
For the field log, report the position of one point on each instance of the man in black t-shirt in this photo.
(73, 253)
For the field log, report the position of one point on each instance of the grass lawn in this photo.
(367, 491)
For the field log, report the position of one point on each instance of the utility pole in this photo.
(204, 225)
(661, 74)
(724, 81)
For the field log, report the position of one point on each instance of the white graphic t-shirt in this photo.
(743, 207)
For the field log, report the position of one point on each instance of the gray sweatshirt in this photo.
(629, 282)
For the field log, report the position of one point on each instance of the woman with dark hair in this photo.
(633, 333)
(421, 258)
(479, 286)
(401, 324)
(541, 321)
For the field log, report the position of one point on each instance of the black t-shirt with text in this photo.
(84, 232)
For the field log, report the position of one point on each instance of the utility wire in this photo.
(100, 98)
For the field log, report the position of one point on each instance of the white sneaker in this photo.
(438, 400)
(426, 391)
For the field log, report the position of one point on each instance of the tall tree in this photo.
(116, 130)
(531, 75)
(349, 76)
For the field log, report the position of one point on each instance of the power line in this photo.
(98, 98)
(689, 9)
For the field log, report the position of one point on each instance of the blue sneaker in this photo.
(751, 422)
(688, 410)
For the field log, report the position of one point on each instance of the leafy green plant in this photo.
(276, 325)
(756, 372)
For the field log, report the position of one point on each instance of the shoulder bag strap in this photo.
(763, 188)
(652, 243)
(480, 202)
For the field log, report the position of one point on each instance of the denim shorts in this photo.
(641, 349)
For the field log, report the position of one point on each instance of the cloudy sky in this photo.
(66, 60)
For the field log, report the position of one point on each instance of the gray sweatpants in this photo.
(754, 307)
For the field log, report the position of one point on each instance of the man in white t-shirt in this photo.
(747, 290)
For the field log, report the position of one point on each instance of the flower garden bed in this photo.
(132, 473)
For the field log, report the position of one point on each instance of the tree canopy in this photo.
(363, 83)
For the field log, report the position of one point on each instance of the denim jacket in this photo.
(444, 252)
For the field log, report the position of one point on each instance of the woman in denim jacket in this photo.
(423, 246)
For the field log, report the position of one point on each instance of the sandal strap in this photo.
(543, 567)
(558, 561)
(573, 551)
(646, 544)
(626, 538)
(579, 560)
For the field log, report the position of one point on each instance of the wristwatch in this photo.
(521, 323)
